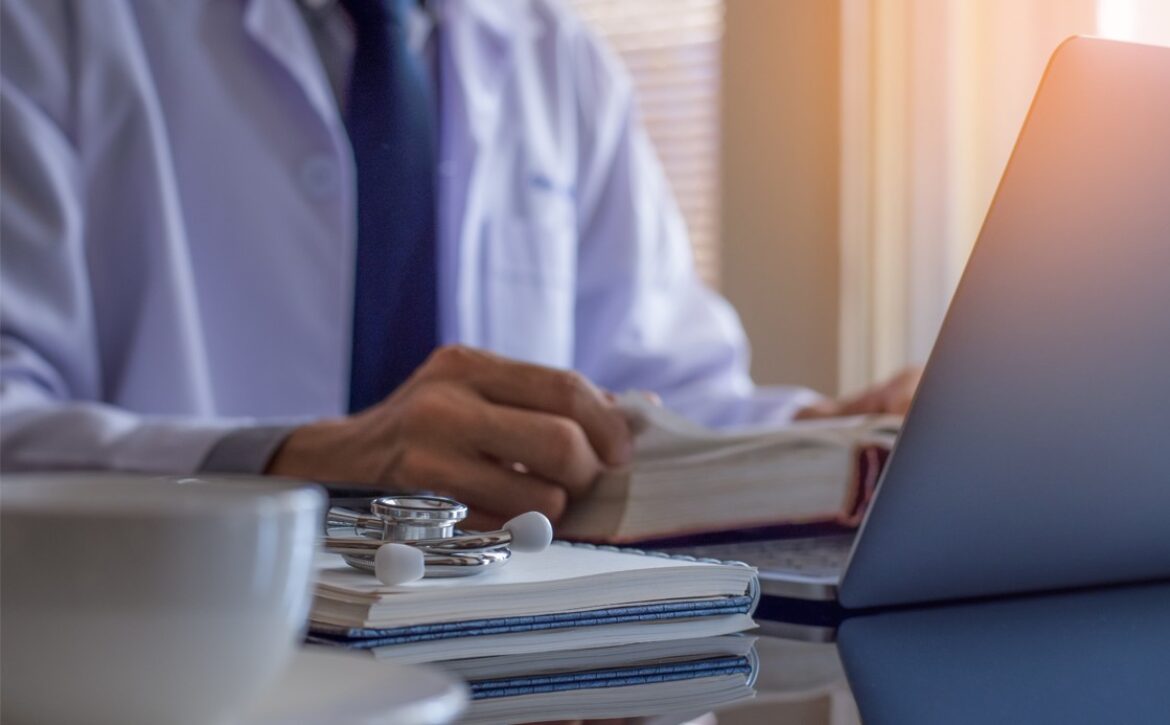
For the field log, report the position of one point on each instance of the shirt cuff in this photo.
(245, 450)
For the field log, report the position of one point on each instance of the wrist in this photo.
(314, 451)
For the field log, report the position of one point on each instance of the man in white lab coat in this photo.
(182, 220)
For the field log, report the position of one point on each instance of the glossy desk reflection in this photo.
(1099, 656)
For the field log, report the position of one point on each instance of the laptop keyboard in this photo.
(822, 556)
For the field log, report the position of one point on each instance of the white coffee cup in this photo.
(136, 599)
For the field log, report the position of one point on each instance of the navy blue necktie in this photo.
(390, 119)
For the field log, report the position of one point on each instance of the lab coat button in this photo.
(320, 177)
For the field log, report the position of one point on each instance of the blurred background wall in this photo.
(834, 159)
(780, 184)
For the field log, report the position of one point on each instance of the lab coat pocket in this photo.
(530, 270)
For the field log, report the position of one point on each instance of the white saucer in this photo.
(322, 686)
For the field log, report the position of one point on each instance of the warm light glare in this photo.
(1142, 21)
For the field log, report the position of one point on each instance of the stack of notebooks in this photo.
(568, 597)
(686, 480)
(577, 630)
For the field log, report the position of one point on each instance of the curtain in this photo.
(933, 93)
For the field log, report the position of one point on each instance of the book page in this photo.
(663, 435)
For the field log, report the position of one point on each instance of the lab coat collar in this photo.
(485, 33)
(496, 20)
(276, 26)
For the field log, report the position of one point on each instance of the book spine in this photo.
(869, 462)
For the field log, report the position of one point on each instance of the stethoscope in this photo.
(405, 538)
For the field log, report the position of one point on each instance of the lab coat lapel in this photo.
(475, 59)
(277, 28)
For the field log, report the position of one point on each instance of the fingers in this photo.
(441, 416)
(493, 492)
(461, 422)
(890, 397)
(560, 392)
(869, 402)
(569, 395)
(550, 446)
(823, 409)
(901, 390)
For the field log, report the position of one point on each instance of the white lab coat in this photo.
(179, 221)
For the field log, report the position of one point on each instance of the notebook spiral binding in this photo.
(753, 588)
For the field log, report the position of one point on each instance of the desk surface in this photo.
(1084, 657)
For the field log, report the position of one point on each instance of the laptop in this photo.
(1036, 454)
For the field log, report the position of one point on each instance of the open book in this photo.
(687, 479)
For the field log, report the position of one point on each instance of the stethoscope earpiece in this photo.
(531, 532)
(396, 564)
(405, 538)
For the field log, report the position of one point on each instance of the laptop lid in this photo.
(1037, 452)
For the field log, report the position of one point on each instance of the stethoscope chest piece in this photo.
(406, 518)
(404, 538)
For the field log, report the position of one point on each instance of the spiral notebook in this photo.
(571, 596)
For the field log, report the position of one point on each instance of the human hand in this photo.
(892, 396)
(501, 436)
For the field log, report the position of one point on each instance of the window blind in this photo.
(673, 51)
